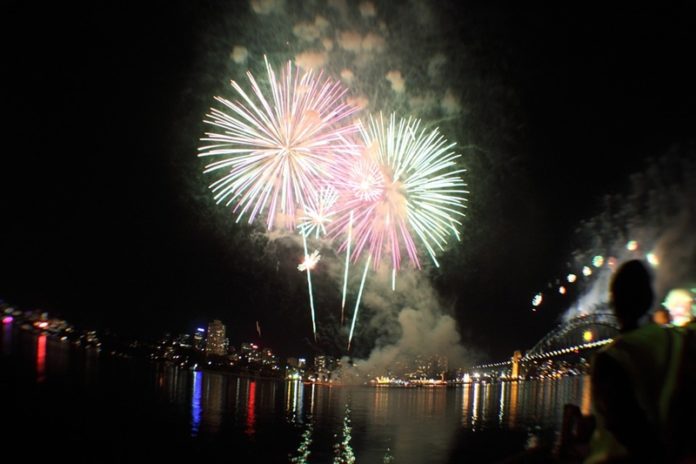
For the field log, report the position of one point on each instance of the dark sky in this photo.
(103, 212)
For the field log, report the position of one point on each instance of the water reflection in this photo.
(415, 424)
(343, 449)
(303, 451)
(196, 402)
(474, 412)
(466, 392)
(501, 403)
(251, 411)
(41, 358)
(213, 401)
(294, 396)
(514, 392)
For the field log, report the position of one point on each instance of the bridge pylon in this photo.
(516, 358)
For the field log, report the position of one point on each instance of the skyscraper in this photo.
(198, 339)
(216, 342)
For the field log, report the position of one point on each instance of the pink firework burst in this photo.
(273, 147)
(405, 192)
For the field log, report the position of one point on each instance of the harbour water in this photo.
(58, 398)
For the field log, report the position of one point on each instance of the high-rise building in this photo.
(198, 339)
(216, 343)
(323, 365)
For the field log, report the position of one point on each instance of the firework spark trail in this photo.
(317, 213)
(357, 303)
(405, 189)
(309, 286)
(274, 152)
(347, 266)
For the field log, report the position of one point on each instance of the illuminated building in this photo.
(323, 365)
(184, 340)
(198, 340)
(250, 352)
(269, 359)
(216, 343)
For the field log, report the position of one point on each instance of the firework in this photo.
(307, 266)
(274, 145)
(309, 262)
(347, 267)
(357, 303)
(318, 212)
(405, 190)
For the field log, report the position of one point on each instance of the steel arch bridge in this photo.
(601, 325)
(570, 337)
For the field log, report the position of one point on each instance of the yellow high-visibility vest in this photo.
(650, 356)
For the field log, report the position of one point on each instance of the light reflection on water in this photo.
(41, 358)
(196, 403)
(251, 409)
(410, 424)
(294, 396)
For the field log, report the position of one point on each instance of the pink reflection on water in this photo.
(251, 403)
(41, 358)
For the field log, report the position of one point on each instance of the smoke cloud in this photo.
(659, 214)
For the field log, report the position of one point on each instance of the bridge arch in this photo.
(583, 329)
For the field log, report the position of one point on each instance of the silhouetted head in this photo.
(631, 293)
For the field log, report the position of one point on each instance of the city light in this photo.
(7, 320)
(632, 245)
(587, 336)
(572, 278)
(586, 271)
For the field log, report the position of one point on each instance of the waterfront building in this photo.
(199, 339)
(216, 342)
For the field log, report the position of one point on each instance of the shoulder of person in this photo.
(645, 334)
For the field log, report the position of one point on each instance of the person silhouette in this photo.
(634, 376)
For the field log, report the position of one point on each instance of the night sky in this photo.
(104, 214)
